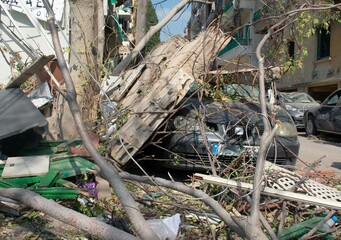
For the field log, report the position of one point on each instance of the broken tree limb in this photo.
(297, 197)
(263, 221)
(216, 207)
(66, 215)
(265, 142)
(110, 173)
(283, 216)
(139, 47)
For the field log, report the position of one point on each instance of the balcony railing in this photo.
(228, 7)
(235, 42)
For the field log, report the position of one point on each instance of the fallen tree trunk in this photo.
(95, 228)
(110, 173)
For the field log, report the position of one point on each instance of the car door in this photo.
(325, 115)
(336, 117)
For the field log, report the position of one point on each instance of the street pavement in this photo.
(315, 148)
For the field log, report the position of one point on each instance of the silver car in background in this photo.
(296, 103)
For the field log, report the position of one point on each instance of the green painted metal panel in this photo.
(228, 7)
(6, 184)
(21, 182)
(58, 192)
(64, 183)
(47, 180)
(298, 230)
(72, 166)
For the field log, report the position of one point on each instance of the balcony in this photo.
(243, 4)
(247, 4)
(262, 26)
(236, 48)
(227, 22)
(230, 10)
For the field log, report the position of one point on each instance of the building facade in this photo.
(236, 20)
(321, 69)
(320, 72)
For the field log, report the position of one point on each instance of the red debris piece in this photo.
(81, 150)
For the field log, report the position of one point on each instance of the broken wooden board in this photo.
(15, 209)
(125, 81)
(26, 166)
(170, 70)
(30, 71)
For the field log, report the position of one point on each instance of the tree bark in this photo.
(110, 173)
(95, 228)
(87, 39)
(141, 20)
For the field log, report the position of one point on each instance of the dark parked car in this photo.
(206, 129)
(325, 118)
(296, 103)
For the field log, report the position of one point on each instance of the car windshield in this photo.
(296, 97)
(241, 90)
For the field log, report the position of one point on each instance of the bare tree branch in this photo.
(138, 48)
(217, 208)
(110, 173)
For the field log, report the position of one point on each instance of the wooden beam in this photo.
(30, 71)
(297, 197)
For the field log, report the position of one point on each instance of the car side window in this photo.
(334, 99)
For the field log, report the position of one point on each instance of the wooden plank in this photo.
(156, 62)
(117, 87)
(125, 82)
(160, 87)
(30, 71)
(141, 130)
(13, 208)
(297, 197)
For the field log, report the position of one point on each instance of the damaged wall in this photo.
(37, 39)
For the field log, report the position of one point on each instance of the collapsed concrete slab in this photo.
(170, 70)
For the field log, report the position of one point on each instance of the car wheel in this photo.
(310, 127)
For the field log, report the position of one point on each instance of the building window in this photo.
(291, 50)
(323, 43)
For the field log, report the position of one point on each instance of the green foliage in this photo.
(90, 210)
(152, 20)
(35, 218)
(298, 29)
